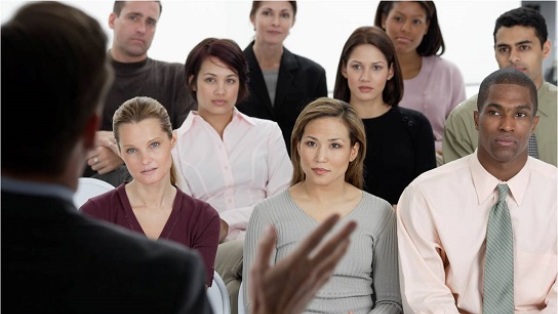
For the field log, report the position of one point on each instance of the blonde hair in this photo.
(328, 107)
(140, 108)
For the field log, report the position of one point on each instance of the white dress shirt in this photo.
(442, 218)
(233, 174)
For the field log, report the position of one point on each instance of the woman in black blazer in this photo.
(281, 82)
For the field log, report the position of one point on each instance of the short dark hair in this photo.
(375, 36)
(256, 5)
(54, 77)
(225, 50)
(119, 5)
(507, 76)
(433, 41)
(523, 16)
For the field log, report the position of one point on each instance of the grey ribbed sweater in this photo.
(365, 280)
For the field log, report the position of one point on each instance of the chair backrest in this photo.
(88, 188)
(218, 295)
(241, 309)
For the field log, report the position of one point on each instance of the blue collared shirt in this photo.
(36, 188)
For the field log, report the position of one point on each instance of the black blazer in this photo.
(54, 260)
(300, 81)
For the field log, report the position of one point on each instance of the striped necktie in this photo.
(533, 149)
(498, 265)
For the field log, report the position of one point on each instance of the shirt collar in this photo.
(37, 188)
(194, 119)
(485, 183)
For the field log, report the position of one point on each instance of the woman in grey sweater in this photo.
(328, 146)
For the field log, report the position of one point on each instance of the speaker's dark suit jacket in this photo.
(300, 81)
(55, 260)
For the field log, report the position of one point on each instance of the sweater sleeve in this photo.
(385, 269)
(206, 239)
(259, 221)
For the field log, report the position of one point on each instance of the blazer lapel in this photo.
(258, 89)
(287, 74)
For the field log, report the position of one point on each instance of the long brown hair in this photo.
(375, 36)
(328, 107)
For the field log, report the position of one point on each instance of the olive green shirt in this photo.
(461, 136)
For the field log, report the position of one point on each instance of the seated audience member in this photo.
(151, 204)
(226, 158)
(520, 42)
(281, 83)
(55, 260)
(133, 24)
(433, 85)
(478, 235)
(328, 147)
(290, 284)
(399, 141)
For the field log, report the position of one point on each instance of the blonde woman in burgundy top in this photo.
(151, 204)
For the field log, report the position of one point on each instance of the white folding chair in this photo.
(218, 295)
(88, 188)
(241, 309)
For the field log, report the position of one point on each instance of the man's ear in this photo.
(111, 19)
(546, 49)
(476, 119)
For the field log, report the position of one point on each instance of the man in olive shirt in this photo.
(520, 41)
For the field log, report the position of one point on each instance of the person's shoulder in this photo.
(102, 204)
(467, 107)
(258, 123)
(373, 201)
(377, 210)
(110, 195)
(305, 63)
(547, 93)
(544, 170)
(413, 119)
(196, 205)
(273, 204)
(163, 63)
(442, 64)
(165, 66)
(440, 174)
(549, 87)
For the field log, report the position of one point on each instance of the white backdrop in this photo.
(320, 30)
